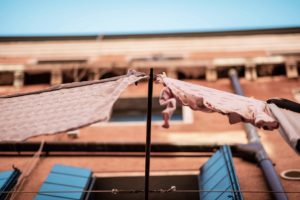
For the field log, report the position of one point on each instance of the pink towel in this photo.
(237, 108)
(61, 108)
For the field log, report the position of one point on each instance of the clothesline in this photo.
(119, 191)
(75, 105)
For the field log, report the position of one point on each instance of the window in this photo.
(6, 78)
(75, 75)
(271, 70)
(73, 70)
(216, 179)
(108, 75)
(137, 183)
(135, 110)
(33, 78)
(223, 71)
(191, 73)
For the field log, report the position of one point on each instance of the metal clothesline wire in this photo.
(117, 191)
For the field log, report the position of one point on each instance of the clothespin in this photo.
(114, 191)
(172, 189)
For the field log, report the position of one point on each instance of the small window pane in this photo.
(135, 110)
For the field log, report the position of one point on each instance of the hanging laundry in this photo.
(61, 108)
(288, 115)
(237, 108)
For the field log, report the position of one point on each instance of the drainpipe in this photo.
(256, 148)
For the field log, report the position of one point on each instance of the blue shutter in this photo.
(73, 171)
(8, 179)
(218, 174)
(46, 197)
(65, 178)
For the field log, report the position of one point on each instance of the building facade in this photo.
(267, 61)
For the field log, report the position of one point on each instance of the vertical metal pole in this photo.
(148, 134)
(261, 155)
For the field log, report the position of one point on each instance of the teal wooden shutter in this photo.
(65, 178)
(8, 179)
(218, 174)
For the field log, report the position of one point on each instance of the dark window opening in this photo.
(34, 78)
(279, 70)
(192, 73)
(75, 75)
(67, 76)
(223, 71)
(135, 110)
(271, 70)
(181, 75)
(6, 78)
(201, 76)
(108, 75)
(182, 182)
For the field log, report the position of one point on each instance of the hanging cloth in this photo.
(237, 108)
(61, 108)
(288, 115)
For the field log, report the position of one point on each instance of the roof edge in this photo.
(287, 30)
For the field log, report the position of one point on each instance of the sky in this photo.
(98, 17)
